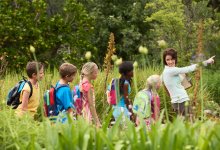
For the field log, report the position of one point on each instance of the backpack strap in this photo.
(30, 85)
(60, 86)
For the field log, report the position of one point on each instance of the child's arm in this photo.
(125, 94)
(92, 108)
(70, 112)
(25, 98)
(128, 102)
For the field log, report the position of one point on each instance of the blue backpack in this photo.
(50, 106)
(13, 98)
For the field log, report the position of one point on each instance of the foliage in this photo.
(57, 37)
(123, 18)
(28, 134)
(177, 23)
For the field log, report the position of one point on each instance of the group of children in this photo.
(146, 108)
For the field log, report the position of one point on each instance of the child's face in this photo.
(158, 85)
(95, 73)
(41, 74)
(130, 74)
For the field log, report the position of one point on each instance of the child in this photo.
(31, 104)
(64, 98)
(89, 72)
(147, 102)
(124, 105)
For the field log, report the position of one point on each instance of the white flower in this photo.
(32, 49)
(118, 61)
(186, 103)
(88, 55)
(143, 50)
(114, 57)
(162, 44)
(135, 65)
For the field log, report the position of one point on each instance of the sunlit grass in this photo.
(29, 134)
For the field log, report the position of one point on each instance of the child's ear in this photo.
(33, 75)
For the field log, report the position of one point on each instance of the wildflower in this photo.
(162, 44)
(186, 103)
(32, 49)
(114, 57)
(88, 55)
(143, 50)
(118, 61)
(135, 64)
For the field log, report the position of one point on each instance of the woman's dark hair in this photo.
(169, 51)
(124, 68)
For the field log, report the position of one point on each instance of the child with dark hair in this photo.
(29, 104)
(124, 105)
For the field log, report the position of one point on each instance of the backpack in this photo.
(13, 98)
(77, 99)
(140, 100)
(50, 107)
(113, 92)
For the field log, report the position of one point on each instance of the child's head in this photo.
(90, 70)
(31, 70)
(126, 69)
(67, 71)
(153, 82)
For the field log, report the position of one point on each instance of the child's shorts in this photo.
(121, 110)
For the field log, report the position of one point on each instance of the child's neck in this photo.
(62, 81)
(126, 77)
(33, 81)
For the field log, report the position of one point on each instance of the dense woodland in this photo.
(63, 30)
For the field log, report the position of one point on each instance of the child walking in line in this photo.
(30, 104)
(64, 98)
(89, 72)
(147, 102)
(124, 105)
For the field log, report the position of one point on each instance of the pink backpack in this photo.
(77, 100)
(113, 94)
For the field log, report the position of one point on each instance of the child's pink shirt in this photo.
(85, 86)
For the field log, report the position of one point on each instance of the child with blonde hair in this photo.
(147, 102)
(89, 72)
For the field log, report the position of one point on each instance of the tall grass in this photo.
(26, 133)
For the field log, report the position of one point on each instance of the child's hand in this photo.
(133, 117)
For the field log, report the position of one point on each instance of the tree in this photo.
(123, 18)
(57, 37)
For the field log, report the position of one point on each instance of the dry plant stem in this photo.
(198, 52)
(38, 78)
(107, 62)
